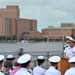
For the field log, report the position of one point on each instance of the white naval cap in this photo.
(70, 38)
(10, 56)
(71, 60)
(54, 59)
(24, 58)
(41, 57)
(1, 57)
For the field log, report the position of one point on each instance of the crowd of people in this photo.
(21, 65)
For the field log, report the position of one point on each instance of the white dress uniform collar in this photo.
(52, 71)
(70, 71)
(1, 73)
(39, 66)
(52, 67)
(38, 70)
(23, 71)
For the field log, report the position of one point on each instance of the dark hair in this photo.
(8, 64)
(54, 63)
(1, 61)
(40, 61)
(72, 62)
(25, 64)
(16, 64)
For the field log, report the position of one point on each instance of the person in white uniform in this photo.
(12, 59)
(71, 71)
(69, 51)
(53, 64)
(1, 62)
(24, 61)
(39, 70)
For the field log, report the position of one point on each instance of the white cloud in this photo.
(3, 0)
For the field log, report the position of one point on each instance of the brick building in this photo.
(57, 33)
(11, 23)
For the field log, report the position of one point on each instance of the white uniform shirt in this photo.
(52, 71)
(1, 73)
(70, 52)
(38, 70)
(70, 71)
(22, 71)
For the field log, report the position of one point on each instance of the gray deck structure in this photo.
(35, 49)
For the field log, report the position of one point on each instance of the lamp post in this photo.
(62, 53)
(63, 38)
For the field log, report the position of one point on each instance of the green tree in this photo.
(0, 37)
(14, 37)
(21, 39)
(4, 37)
(8, 38)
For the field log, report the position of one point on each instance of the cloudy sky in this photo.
(46, 12)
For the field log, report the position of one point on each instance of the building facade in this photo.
(8, 16)
(11, 23)
(25, 27)
(57, 33)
